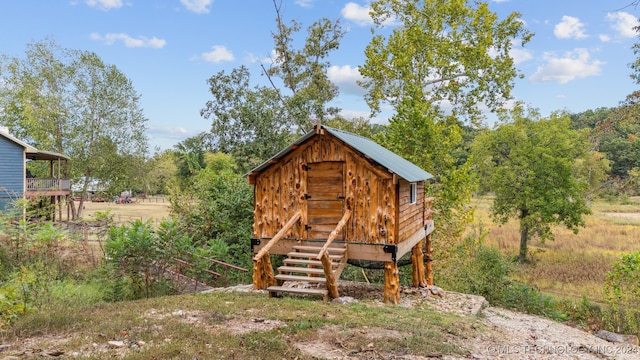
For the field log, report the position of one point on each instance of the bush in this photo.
(142, 255)
(622, 289)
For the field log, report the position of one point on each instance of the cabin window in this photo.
(413, 190)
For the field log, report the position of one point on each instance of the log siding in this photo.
(280, 191)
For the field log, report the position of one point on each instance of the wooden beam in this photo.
(406, 245)
(334, 233)
(331, 283)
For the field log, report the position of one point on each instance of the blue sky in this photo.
(577, 60)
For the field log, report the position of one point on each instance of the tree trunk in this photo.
(524, 236)
(74, 214)
(80, 207)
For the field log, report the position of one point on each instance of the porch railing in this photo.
(48, 184)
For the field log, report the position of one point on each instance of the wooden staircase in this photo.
(302, 266)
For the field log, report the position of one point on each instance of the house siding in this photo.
(11, 172)
(411, 216)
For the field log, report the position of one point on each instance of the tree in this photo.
(358, 125)
(249, 123)
(162, 172)
(442, 62)
(190, 158)
(304, 71)
(529, 165)
(254, 123)
(71, 102)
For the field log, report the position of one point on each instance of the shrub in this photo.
(622, 289)
(139, 254)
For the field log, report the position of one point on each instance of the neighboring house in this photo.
(16, 182)
(332, 197)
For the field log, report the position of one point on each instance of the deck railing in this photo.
(48, 184)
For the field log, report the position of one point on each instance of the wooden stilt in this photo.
(391, 282)
(417, 262)
(429, 261)
(263, 276)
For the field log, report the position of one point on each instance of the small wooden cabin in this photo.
(333, 196)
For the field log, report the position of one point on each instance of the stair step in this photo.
(307, 262)
(322, 292)
(316, 249)
(300, 269)
(310, 279)
(295, 254)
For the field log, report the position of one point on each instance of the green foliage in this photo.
(254, 123)
(71, 102)
(11, 305)
(162, 172)
(481, 270)
(524, 298)
(530, 167)
(248, 123)
(594, 169)
(190, 158)
(477, 269)
(115, 284)
(453, 52)
(443, 51)
(140, 254)
(358, 126)
(622, 288)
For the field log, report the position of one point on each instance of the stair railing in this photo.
(334, 234)
(262, 271)
(331, 281)
(278, 236)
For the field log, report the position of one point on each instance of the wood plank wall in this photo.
(411, 216)
(279, 192)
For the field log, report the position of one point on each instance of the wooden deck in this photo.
(36, 187)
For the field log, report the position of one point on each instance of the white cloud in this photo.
(129, 41)
(573, 65)
(197, 6)
(570, 28)
(305, 3)
(104, 4)
(520, 55)
(167, 131)
(346, 77)
(351, 114)
(217, 55)
(604, 37)
(623, 23)
(356, 13)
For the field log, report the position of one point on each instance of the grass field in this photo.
(572, 265)
(155, 209)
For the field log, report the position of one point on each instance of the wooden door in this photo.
(325, 198)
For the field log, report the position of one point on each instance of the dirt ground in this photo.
(508, 334)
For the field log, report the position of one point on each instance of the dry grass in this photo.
(155, 209)
(574, 264)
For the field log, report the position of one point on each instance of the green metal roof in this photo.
(368, 148)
